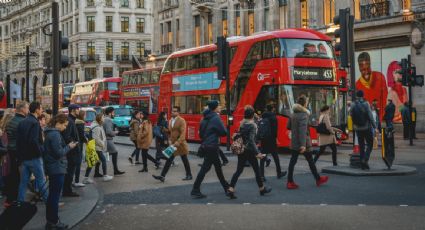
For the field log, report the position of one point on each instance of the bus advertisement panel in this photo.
(268, 68)
(97, 92)
(140, 89)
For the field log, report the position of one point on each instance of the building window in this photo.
(91, 23)
(266, 14)
(108, 72)
(161, 39)
(124, 49)
(140, 3)
(124, 24)
(108, 23)
(197, 30)
(90, 73)
(90, 3)
(91, 50)
(304, 14)
(329, 11)
(238, 19)
(178, 33)
(141, 49)
(124, 3)
(224, 22)
(170, 33)
(109, 51)
(357, 14)
(251, 22)
(77, 26)
(210, 29)
(122, 70)
(406, 6)
(140, 25)
(108, 3)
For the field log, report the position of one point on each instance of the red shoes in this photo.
(322, 180)
(291, 185)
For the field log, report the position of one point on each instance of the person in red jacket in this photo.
(372, 83)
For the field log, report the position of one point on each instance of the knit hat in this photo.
(360, 93)
(213, 104)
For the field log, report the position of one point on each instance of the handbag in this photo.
(202, 148)
(321, 128)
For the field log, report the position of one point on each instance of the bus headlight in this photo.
(230, 120)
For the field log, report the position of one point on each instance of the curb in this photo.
(91, 210)
(396, 170)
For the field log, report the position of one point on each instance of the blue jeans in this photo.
(34, 166)
(55, 188)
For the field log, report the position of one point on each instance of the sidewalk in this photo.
(72, 213)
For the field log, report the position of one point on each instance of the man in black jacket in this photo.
(389, 113)
(12, 180)
(211, 129)
(269, 145)
(29, 145)
(71, 135)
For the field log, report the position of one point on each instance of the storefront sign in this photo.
(194, 82)
(313, 74)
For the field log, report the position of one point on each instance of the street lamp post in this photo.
(27, 73)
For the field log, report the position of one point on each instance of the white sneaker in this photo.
(87, 180)
(107, 178)
(79, 185)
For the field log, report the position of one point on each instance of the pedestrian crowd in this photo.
(50, 149)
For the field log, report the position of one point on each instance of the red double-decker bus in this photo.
(140, 89)
(65, 91)
(268, 68)
(97, 92)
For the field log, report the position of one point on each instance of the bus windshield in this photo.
(67, 91)
(317, 97)
(111, 85)
(122, 112)
(306, 48)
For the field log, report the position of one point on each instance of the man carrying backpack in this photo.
(267, 134)
(364, 126)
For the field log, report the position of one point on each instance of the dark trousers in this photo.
(389, 123)
(294, 158)
(170, 161)
(211, 158)
(11, 181)
(405, 130)
(79, 161)
(242, 158)
(103, 160)
(136, 151)
(414, 129)
(146, 156)
(70, 172)
(322, 150)
(56, 183)
(222, 156)
(159, 145)
(276, 161)
(365, 139)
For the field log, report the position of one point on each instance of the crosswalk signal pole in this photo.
(55, 56)
(223, 57)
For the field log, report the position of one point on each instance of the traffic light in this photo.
(415, 80)
(404, 72)
(342, 33)
(63, 44)
(223, 50)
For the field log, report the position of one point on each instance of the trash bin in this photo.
(388, 151)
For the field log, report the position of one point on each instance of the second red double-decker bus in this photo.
(97, 92)
(268, 68)
(140, 89)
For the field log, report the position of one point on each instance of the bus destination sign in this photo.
(313, 74)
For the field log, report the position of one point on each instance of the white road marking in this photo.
(404, 205)
(103, 211)
(174, 204)
(210, 203)
(246, 203)
(323, 205)
(284, 204)
(142, 204)
(361, 205)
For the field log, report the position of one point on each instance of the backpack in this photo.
(359, 114)
(90, 133)
(264, 129)
(157, 132)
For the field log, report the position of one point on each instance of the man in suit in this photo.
(177, 134)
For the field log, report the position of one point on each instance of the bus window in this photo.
(168, 66)
(206, 60)
(180, 64)
(145, 77)
(155, 76)
(276, 48)
(267, 49)
(303, 48)
(180, 102)
(214, 55)
(125, 79)
(192, 105)
(193, 62)
(111, 85)
(254, 54)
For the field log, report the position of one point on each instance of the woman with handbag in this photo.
(326, 134)
(248, 131)
(134, 129)
(144, 140)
